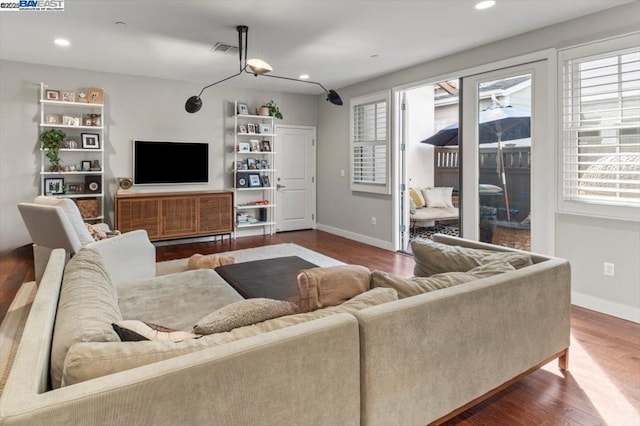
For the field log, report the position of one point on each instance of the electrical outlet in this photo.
(342, 172)
(373, 220)
(609, 269)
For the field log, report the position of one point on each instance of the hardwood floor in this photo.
(601, 387)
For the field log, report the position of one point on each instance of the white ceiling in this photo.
(331, 40)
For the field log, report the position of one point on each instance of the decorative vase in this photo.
(263, 111)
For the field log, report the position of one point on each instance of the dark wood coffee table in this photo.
(275, 278)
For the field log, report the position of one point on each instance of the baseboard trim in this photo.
(386, 245)
(629, 313)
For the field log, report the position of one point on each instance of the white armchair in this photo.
(56, 223)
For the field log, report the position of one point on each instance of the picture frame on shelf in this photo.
(52, 95)
(243, 109)
(53, 119)
(265, 146)
(75, 188)
(251, 128)
(94, 120)
(264, 164)
(251, 163)
(90, 140)
(264, 128)
(255, 145)
(254, 180)
(70, 120)
(265, 181)
(53, 186)
(241, 165)
(81, 97)
(242, 180)
(95, 95)
(242, 128)
(68, 96)
(92, 184)
(244, 147)
(85, 165)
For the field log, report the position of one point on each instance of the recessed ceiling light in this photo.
(304, 76)
(61, 42)
(486, 4)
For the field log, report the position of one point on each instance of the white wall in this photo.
(343, 212)
(136, 107)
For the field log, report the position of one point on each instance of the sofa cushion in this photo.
(176, 300)
(407, 287)
(244, 312)
(330, 286)
(135, 331)
(439, 197)
(434, 258)
(211, 261)
(90, 360)
(87, 307)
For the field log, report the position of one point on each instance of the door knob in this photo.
(278, 186)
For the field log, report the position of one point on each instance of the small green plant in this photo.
(274, 111)
(51, 140)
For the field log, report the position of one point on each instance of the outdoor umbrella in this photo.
(497, 123)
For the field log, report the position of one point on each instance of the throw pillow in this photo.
(135, 331)
(99, 234)
(438, 197)
(417, 197)
(434, 258)
(407, 287)
(244, 312)
(209, 261)
(330, 286)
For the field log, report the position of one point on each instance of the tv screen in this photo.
(170, 162)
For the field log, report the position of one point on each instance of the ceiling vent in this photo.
(220, 47)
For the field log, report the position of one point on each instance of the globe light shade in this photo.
(193, 104)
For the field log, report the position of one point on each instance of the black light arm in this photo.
(194, 103)
(332, 95)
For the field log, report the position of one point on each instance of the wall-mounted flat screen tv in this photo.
(170, 162)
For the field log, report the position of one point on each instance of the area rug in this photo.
(255, 253)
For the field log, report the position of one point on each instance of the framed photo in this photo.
(241, 165)
(75, 188)
(53, 119)
(242, 180)
(95, 95)
(52, 95)
(242, 128)
(70, 120)
(255, 146)
(251, 128)
(244, 147)
(264, 164)
(85, 165)
(243, 108)
(264, 128)
(265, 181)
(92, 120)
(251, 163)
(254, 180)
(266, 146)
(90, 140)
(68, 96)
(92, 184)
(54, 186)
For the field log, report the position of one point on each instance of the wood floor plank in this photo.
(601, 387)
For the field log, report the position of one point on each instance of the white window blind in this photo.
(601, 127)
(370, 143)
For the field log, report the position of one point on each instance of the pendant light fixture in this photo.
(256, 67)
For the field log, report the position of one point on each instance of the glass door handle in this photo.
(278, 186)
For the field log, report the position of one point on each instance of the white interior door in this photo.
(295, 177)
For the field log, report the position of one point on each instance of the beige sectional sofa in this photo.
(374, 359)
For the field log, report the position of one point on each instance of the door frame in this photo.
(542, 154)
(314, 171)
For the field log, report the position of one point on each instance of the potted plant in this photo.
(51, 140)
(274, 111)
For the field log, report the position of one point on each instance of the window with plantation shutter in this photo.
(370, 143)
(601, 128)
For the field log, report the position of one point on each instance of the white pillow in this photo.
(438, 197)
